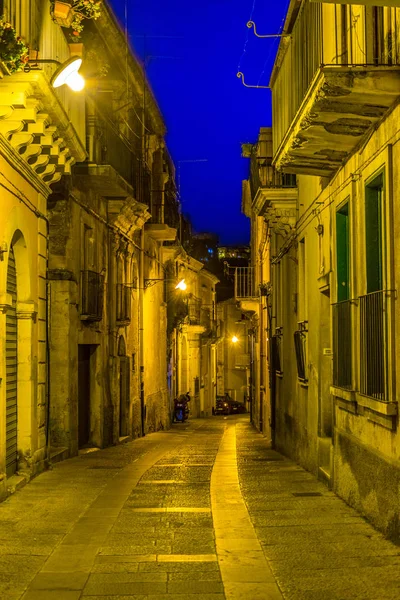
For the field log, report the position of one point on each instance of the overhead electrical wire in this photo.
(247, 38)
(272, 47)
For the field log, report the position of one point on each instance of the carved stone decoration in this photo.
(29, 130)
(5, 302)
(339, 110)
(27, 310)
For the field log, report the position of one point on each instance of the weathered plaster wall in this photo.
(21, 227)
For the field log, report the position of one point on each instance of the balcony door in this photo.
(341, 311)
(325, 401)
(124, 386)
(373, 305)
(84, 394)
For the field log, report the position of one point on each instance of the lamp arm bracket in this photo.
(240, 75)
(251, 24)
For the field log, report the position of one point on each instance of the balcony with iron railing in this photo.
(342, 322)
(271, 189)
(242, 361)
(124, 303)
(334, 78)
(265, 176)
(194, 311)
(246, 291)
(108, 145)
(205, 318)
(374, 345)
(166, 212)
(92, 296)
(244, 283)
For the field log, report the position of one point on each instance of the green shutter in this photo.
(11, 369)
(343, 253)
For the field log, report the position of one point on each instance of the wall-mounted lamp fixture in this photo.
(66, 73)
(181, 285)
(234, 339)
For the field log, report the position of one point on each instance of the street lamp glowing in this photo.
(67, 73)
(235, 339)
(181, 285)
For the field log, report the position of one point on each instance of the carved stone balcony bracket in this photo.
(36, 126)
(281, 220)
(128, 214)
(284, 198)
(5, 302)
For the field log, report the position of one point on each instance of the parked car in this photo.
(236, 408)
(222, 406)
(225, 405)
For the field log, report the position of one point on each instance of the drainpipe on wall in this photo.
(141, 334)
(48, 332)
(251, 377)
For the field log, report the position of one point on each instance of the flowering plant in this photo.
(13, 52)
(83, 9)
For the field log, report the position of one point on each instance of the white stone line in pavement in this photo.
(167, 509)
(245, 572)
(133, 558)
(79, 548)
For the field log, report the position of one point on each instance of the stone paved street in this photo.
(204, 511)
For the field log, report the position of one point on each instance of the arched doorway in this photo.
(124, 386)
(11, 369)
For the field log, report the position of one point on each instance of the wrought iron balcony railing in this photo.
(92, 295)
(342, 344)
(244, 284)
(373, 42)
(194, 310)
(374, 345)
(107, 145)
(124, 303)
(267, 177)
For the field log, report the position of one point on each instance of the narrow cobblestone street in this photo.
(204, 511)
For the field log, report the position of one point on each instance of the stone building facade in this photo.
(40, 139)
(107, 228)
(192, 331)
(89, 198)
(331, 235)
(234, 357)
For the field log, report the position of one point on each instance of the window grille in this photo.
(92, 295)
(300, 340)
(124, 302)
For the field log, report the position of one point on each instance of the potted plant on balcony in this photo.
(62, 12)
(13, 52)
(72, 13)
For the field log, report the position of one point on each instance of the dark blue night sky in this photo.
(192, 51)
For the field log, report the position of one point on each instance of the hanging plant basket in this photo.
(72, 14)
(63, 13)
(13, 52)
(76, 49)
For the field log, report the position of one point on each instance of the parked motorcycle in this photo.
(181, 408)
